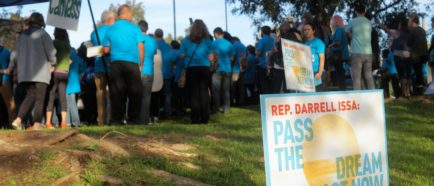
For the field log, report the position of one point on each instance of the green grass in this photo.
(230, 149)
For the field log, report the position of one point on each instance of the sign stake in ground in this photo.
(327, 139)
(64, 14)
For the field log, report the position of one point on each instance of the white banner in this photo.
(326, 139)
(64, 14)
(297, 61)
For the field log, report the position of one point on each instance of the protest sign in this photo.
(327, 139)
(64, 14)
(297, 61)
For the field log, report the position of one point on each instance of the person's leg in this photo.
(63, 80)
(226, 91)
(216, 91)
(419, 79)
(367, 71)
(356, 69)
(204, 75)
(340, 75)
(193, 80)
(395, 85)
(73, 118)
(167, 88)
(241, 90)
(40, 90)
(132, 77)
(118, 100)
(146, 98)
(262, 77)
(50, 104)
(155, 106)
(6, 94)
(385, 86)
(100, 84)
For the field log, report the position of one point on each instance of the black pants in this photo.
(264, 84)
(155, 104)
(419, 82)
(58, 87)
(35, 96)
(395, 85)
(278, 81)
(126, 84)
(340, 75)
(198, 79)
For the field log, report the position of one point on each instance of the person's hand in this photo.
(7, 71)
(52, 69)
(318, 76)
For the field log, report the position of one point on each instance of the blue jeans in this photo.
(146, 98)
(221, 88)
(72, 117)
(167, 89)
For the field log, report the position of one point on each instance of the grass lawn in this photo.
(229, 149)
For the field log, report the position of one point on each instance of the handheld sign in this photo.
(326, 139)
(64, 14)
(297, 62)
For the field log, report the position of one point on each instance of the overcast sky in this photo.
(159, 14)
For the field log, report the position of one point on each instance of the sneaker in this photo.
(16, 124)
(49, 126)
(37, 126)
(63, 125)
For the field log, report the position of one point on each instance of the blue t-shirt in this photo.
(317, 47)
(361, 30)
(240, 50)
(249, 74)
(224, 50)
(123, 38)
(341, 37)
(389, 64)
(166, 54)
(179, 64)
(150, 51)
(75, 69)
(4, 63)
(265, 45)
(99, 66)
(200, 56)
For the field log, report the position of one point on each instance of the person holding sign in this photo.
(124, 43)
(107, 19)
(317, 48)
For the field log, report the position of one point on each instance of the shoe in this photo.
(63, 125)
(37, 126)
(16, 124)
(49, 126)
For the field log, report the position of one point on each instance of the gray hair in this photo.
(106, 15)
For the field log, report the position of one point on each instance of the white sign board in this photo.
(297, 61)
(326, 139)
(64, 14)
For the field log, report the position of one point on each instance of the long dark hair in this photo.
(36, 20)
(61, 34)
(198, 31)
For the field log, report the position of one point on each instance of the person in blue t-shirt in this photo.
(179, 93)
(339, 48)
(124, 43)
(199, 54)
(101, 82)
(147, 73)
(221, 78)
(237, 86)
(73, 87)
(390, 74)
(265, 45)
(167, 66)
(317, 48)
(360, 29)
(249, 75)
(6, 83)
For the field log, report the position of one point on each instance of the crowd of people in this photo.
(45, 81)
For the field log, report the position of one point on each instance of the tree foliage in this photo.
(10, 24)
(277, 10)
(137, 8)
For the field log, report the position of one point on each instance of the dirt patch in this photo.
(70, 151)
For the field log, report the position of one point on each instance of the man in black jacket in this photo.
(418, 52)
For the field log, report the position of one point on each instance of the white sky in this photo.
(159, 14)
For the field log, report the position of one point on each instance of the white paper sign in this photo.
(64, 14)
(297, 61)
(327, 139)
